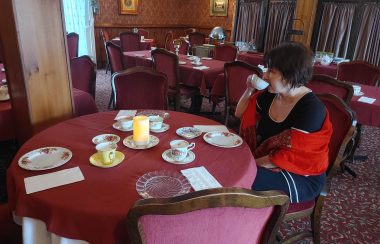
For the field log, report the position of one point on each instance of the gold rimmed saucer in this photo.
(96, 160)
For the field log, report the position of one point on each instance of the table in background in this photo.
(367, 114)
(145, 44)
(7, 130)
(95, 209)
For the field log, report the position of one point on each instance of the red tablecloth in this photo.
(95, 209)
(204, 79)
(145, 45)
(367, 114)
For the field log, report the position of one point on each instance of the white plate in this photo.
(117, 126)
(106, 138)
(128, 142)
(181, 62)
(196, 64)
(359, 93)
(167, 156)
(223, 139)
(188, 132)
(163, 128)
(45, 158)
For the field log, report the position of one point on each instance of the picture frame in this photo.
(128, 6)
(218, 7)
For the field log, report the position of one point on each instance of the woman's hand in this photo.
(265, 163)
(243, 101)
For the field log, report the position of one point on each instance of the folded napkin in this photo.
(367, 100)
(210, 128)
(125, 113)
(201, 67)
(47, 181)
(200, 178)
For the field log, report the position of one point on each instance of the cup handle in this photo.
(112, 156)
(191, 146)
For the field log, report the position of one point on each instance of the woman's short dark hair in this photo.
(293, 60)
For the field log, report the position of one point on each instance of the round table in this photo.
(95, 209)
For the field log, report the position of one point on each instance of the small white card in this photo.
(125, 114)
(201, 67)
(211, 128)
(200, 178)
(367, 100)
(50, 180)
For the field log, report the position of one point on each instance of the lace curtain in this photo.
(249, 21)
(368, 42)
(79, 19)
(280, 14)
(335, 30)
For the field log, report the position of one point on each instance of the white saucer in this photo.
(359, 94)
(181, 62)
(117, 126)
(106, 138)
(128, 142)
(167, 156)
(163, 128)
(196, 64)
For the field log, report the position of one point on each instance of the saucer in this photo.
(188, 132)
(359, 93)
(167, 156)
(128, 142)
(163, 128)
(96, 160)
(117, 126)
(181, 62)
(196, 64)
(105, 138)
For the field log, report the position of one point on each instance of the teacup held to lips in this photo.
(180, 148)
(107, 151)
(258, 83)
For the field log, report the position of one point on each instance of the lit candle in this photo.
(141, 130)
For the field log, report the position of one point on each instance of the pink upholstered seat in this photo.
(215, 216)
(196, 38)
(72, 44)
(83, 74)
(130, 41)
(359, 72)
(225, 52)
(140, 88)
(84, 103)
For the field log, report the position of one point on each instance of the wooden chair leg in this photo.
(213, 109)
(111, 102)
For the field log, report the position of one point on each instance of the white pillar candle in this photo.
(141, 130)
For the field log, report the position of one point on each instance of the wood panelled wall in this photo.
(159, 17)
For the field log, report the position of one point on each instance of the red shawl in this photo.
(292, 150)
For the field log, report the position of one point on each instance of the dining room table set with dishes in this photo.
(145, 43)
(80, 177)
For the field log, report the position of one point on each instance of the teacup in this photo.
(155, 122)
(258, 83)
(126, 123)
(326, 60)
(107, 151)
(197, 60)
(180, 148)
(357, 89)
(142, 38)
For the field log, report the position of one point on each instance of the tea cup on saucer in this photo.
(126, 123)
(107, 150)
(180, 148)
(155, 122)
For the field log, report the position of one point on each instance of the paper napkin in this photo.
(367, 100)
(125, 113)
(47, 181)
(201, 67)
(200, 178)
(210, 128)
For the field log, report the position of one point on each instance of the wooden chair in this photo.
(167, 63)
(343, 120)
(140, 88)
(222, 215)
(83, 74)
(236, 74)
(359, 72)
(169, 41)
(72, 44)
(130, 41)
(196, 39)
(225, 52)
(106, 38)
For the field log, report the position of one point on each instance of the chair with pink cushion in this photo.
(130, 41)
(221, 215)
(143, 32)
(196, 39)
(343, 121)
(167, 63)
(359, 72)
(225, 52)
(72, 44)
(184, 47)
(106, 38)
(84, 103)
(236, 74)
(83, 75)
(140, 88)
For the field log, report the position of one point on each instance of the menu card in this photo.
(125, 113)
(211, 128)
(367, 100)
(200, 178)
(50, 180)
(201, 67)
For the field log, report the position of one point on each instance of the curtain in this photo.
(368, 44)
(280, 14)
(335, 28)
(79, 19)
(249, 21)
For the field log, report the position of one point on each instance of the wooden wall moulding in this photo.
(128, 6)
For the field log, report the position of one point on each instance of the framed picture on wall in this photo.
(128, 6)
(218, 7)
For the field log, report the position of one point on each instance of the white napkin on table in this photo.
(367, 100)
(210, 128)
(200, 178)
(201, 67)
(50, 180)
(125, 113)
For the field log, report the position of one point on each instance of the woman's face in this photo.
(277, 84)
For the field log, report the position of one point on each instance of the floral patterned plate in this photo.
(128, 142)
(189, 132)
(223, 139)
(45, 158)
(106, 138)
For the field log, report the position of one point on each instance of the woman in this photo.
(287, 126)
